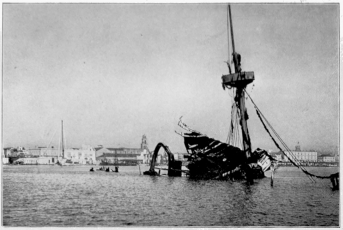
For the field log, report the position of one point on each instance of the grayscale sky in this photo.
(113, 72)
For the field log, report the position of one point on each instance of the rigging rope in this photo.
(276, 134)
(51, 139)
(277, 145)
(294, 161)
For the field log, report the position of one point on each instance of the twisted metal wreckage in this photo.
(211, 159)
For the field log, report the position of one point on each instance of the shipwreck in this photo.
(212, 159)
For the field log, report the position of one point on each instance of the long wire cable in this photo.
(293, 159)
(296, 163)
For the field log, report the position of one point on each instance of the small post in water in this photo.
(335, 181)
(272, 177)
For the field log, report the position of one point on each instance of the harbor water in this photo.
(74, 196)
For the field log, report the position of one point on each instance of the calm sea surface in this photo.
(73, 196)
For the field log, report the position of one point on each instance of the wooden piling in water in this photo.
(272, 176)
(335, 181)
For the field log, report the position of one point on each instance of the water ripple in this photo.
(73, 196)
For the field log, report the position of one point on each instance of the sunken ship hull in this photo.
(211, 159)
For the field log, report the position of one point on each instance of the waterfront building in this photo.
(145, 156)
(328, 158)
(20, 148)
(302, 156)
(44, 155)
(37, 160)
(50, 152)
(35, 152)
(84, 155)
(28, 160)
(42, 152)
(119, 158)
(13, 152)
(124, 155)
(46, 160)
(7, 152)
(136, 151)
(100, 150)
(121, 154)
(5, 160)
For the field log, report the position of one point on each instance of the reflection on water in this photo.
(73, 196)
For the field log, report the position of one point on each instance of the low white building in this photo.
(306, 156)
(302, 156)
(46, 160)
(7, 152)
(85, 155)
(38, 160)
(144, 157)
(47, 152)
(29, 160)
(329, 159)
(5, 161)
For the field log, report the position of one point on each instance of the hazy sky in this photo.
(113, 72)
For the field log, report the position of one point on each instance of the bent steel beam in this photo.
(172, 164)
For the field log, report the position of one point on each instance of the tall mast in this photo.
(231, 27)
(239, 80)
(62, 139)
